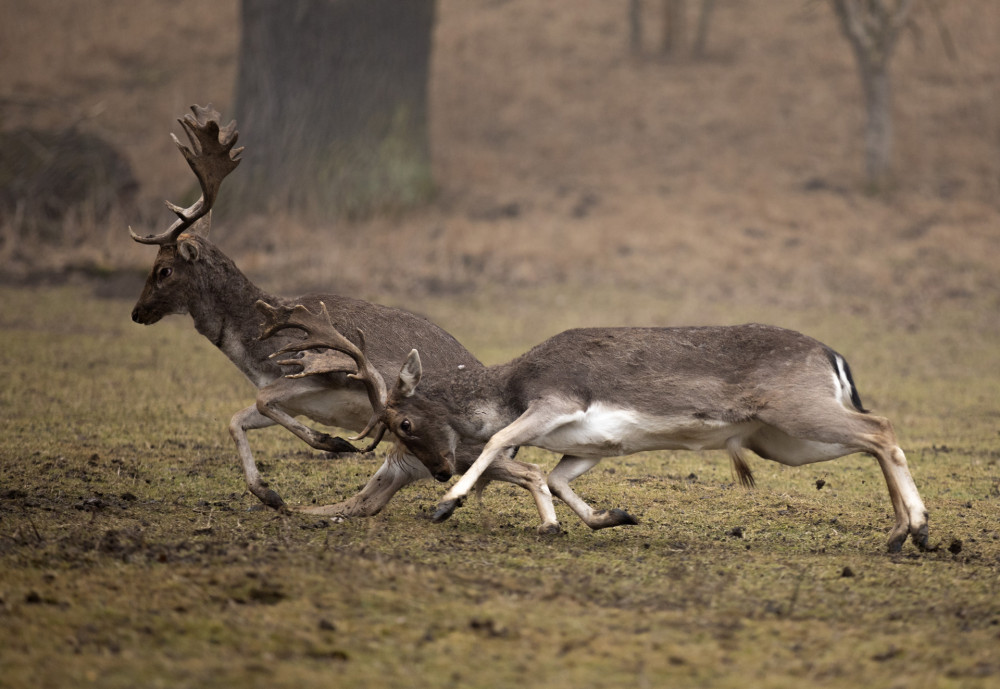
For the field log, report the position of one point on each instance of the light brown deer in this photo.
(191, 275)
(603, 392)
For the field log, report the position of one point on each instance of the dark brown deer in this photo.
(191, 275)
(603, 392)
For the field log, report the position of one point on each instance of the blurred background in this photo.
(698, 151)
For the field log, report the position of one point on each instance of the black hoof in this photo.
(550, 530)
(272, 499)
(445, 509)
(615, 517)
(623, 518)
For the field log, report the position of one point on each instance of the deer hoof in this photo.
(897, 537)
(622, 518)
(550, 530)
(272, 499)
(445, 509)
(615, 517)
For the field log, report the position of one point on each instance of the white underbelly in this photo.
(348, 409)
(604, 431)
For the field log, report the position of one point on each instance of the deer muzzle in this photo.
(445, 468)
(144, 316)
(442, 475)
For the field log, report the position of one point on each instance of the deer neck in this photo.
(223, 311)
(476, 402)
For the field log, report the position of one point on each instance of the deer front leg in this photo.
(541, 417)
(241, 422)
(270, 400)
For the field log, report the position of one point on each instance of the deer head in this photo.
(211, 157)
(323, 350)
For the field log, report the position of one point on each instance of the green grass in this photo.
(129, 555)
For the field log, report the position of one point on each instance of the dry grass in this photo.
(129, 556)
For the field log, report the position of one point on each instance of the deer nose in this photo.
(442, 475)
(135, 315)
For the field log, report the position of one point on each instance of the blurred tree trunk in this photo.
(701, 35)
(331, 100)
(635, 26)
(674, 26)
(872, 27)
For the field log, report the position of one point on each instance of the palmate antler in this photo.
(211, 157)
(321, 337)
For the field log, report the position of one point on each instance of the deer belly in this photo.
(605, 431)
(333, 407)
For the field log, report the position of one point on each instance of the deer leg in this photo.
(839, 432)
(399, 469)
(241, 422)
(541, 417)
(911, 515)
(269, 404)
(570, 468)
(531, 478)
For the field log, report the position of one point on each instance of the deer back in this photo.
(390, 334)
(726, 373)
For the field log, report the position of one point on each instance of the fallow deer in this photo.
(191, 275)
(603, 392)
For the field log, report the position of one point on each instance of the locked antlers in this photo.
(211, 157)
(316, 357)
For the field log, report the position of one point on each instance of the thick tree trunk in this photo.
(331, 100)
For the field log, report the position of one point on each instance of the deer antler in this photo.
(321, 335)
(211, 157)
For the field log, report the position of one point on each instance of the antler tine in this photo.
(376, 438)
(211, 157)
(320, 333)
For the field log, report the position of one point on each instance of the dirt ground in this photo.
(578, 185)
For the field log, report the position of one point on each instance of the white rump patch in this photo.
(842, 384)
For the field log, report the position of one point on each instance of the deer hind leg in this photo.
(242, 421)
(795, 439)
(399, 469)
(270, 400)
(570, 468)
(911, 515)
(531, 478)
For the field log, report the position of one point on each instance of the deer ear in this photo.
(188, 250)
(409, 375)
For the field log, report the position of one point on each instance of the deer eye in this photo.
(164, 272)
(405, 426)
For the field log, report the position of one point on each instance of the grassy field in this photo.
(579, 184)
(131, 554)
